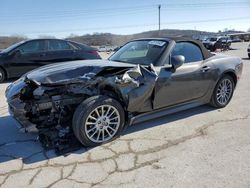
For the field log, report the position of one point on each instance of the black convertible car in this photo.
(30, 54)
(145, 79)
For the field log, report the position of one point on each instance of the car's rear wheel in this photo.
(223, 92)
(2, 75)
(97, 120)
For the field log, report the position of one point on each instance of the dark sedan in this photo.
(30, 54)
(248, 50)
(146, 78)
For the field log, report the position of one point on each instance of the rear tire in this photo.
(2, 75)
(223, 92)
(98, 120)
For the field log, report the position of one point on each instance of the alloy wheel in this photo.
(224, 91)
(102, 123)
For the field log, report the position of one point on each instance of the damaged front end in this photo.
(49, 106)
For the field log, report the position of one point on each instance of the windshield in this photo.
(144, 52)
(12, 47)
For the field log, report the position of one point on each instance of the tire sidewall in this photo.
(87, 107)
(216, 88)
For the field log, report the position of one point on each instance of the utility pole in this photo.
(159, 17)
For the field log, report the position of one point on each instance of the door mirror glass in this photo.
(177, 61)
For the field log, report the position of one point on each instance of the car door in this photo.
(26, 57)
(190, 81)
(59, 51)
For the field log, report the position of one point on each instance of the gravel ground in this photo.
(200, 147)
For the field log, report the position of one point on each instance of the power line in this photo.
(141, 25)
(48, 18)
(75, 17)
(122, 9)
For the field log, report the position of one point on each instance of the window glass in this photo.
(142, 52)
(58, 45)
(190, 51)
(32, 47)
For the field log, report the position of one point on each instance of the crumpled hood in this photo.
(59, 72)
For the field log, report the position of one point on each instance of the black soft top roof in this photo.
(206, 53)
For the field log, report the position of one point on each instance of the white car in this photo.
(105, 49)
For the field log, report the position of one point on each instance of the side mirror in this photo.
(177, 61)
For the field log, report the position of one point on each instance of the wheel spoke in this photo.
(107, 111)
(90, 123)
(97, 113)
(226, 97)
(94, 133)
(108, 132)
(102, 109)
(98, 136)
(93, 128)
(103, 136)
(110, 128)
(113, 118)
(111, 114)
(90, 116)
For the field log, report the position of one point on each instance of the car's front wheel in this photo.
(223, 92)
(2, 75)
(97, 120)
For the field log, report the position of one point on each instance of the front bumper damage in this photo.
(50, 107)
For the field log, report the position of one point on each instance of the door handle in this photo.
(205, 69)
(42, 55)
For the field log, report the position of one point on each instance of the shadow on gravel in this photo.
(18, 145)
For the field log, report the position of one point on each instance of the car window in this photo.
(32, 47)
(212, 39)
(190, 51)
(54, 45)
(12, 47)
(144, 52)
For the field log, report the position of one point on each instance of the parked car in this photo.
(30, 54)
(236, 40)
(214, 43)
(96, 99)
(248, 51)
(105, 49)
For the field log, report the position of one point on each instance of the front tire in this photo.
(98, 120)
(223, 92)
(2, 75)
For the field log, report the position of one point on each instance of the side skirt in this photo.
(163, 111)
